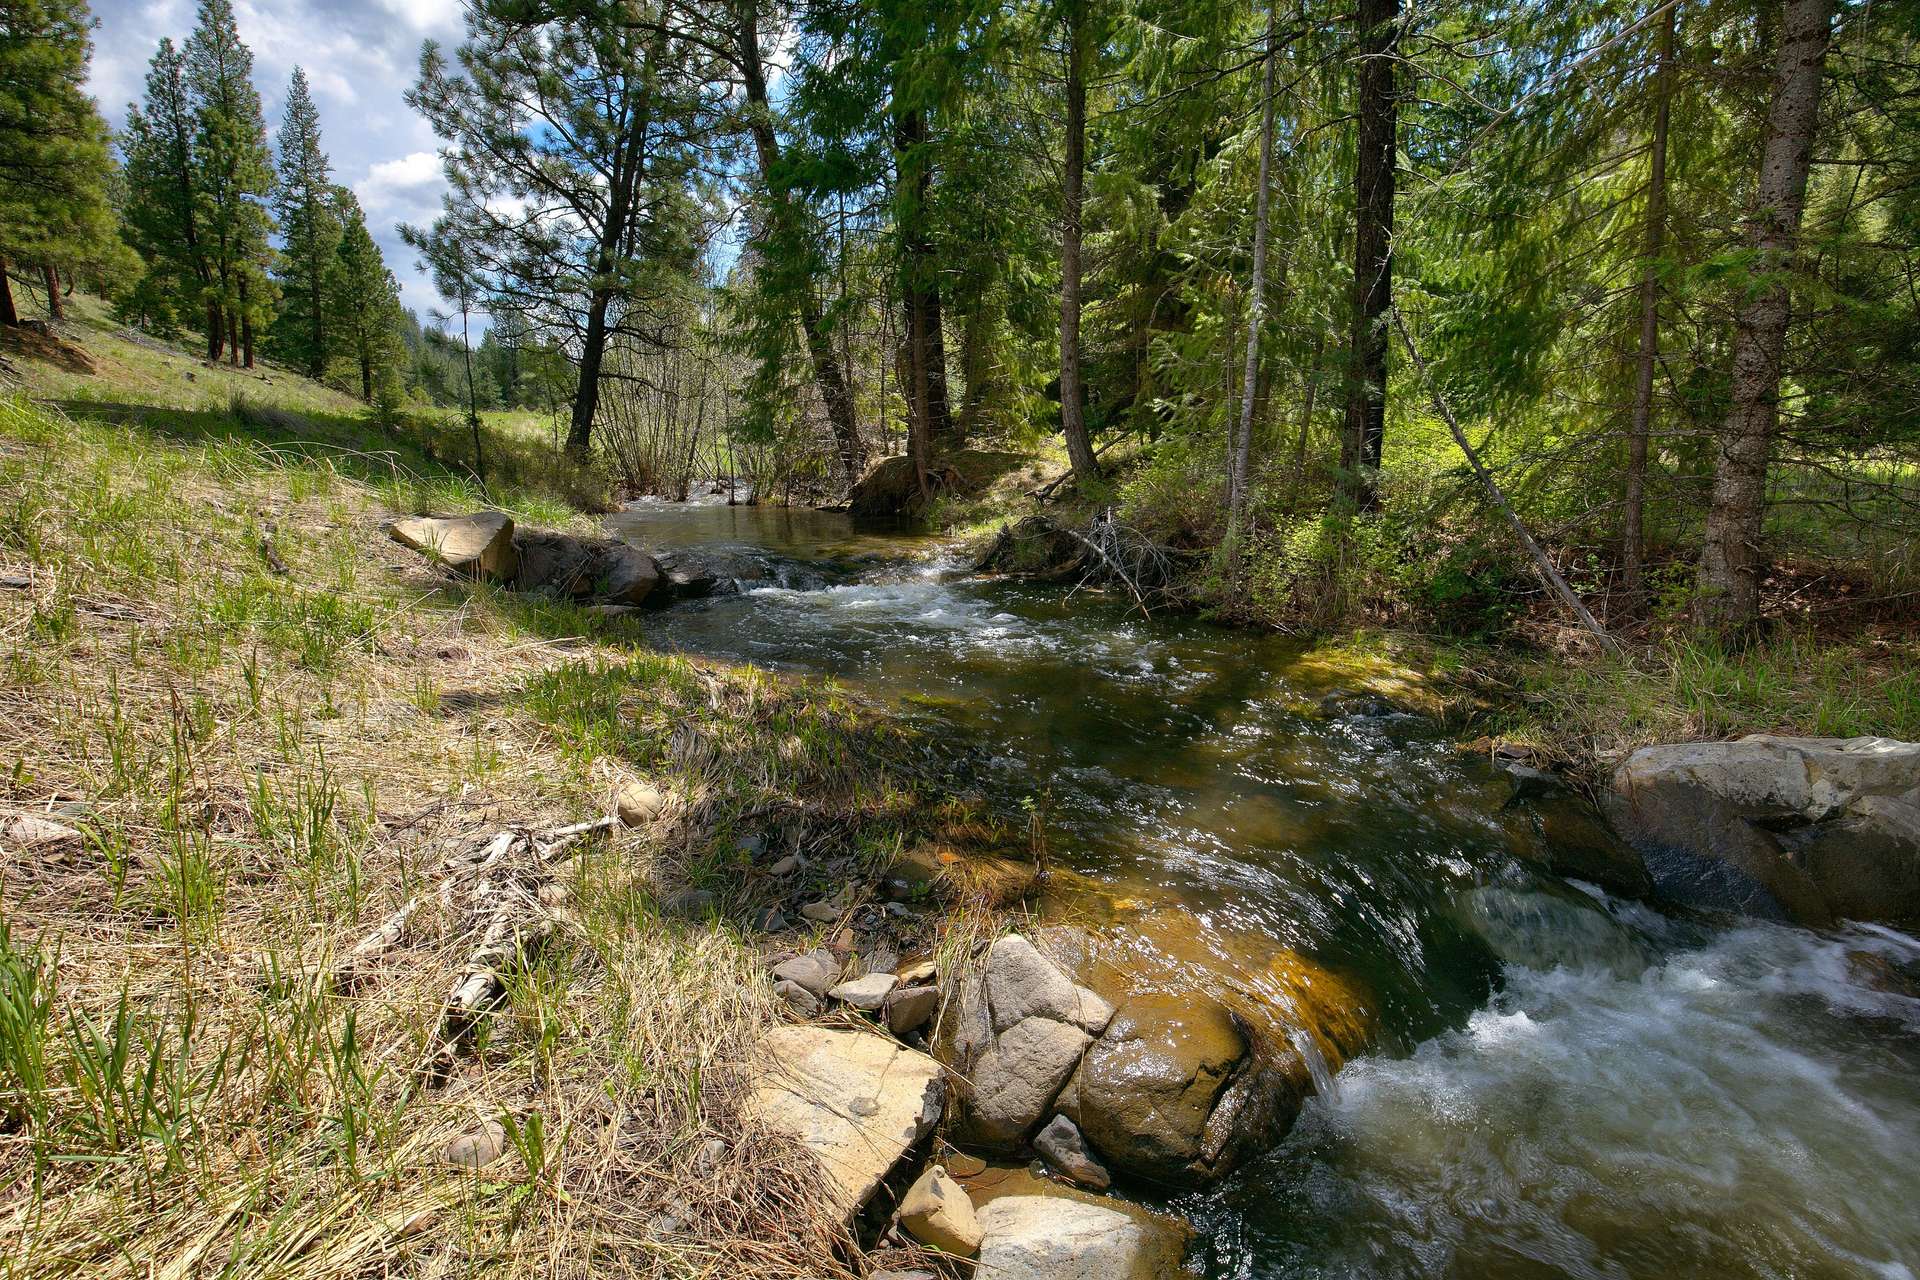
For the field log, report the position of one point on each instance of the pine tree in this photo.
(310, 233)
(590, 118)
(233, 176)
(362, 304)
(54, 162)
(163, 213)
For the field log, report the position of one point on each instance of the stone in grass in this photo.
(1063, 1147)
(936, 1212)
(478, 1149)
(867, 993)
(910, 1008)
(476, 546)
(798, 998)
(821, 912)
(638, 803)
(786, 866)
(817, 971)
(23, 831)
(857, 1100)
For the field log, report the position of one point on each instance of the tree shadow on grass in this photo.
(425, 461)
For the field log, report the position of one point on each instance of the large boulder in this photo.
(476, 546)
(1147, 1088)
(1811, 829)
(1208, 1058)
(858, 1101)
(602, 569)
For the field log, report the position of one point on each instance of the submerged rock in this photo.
(1815, 829)
(1061, 1145)
(1545, 931)
(476, 546)
(855, 1099)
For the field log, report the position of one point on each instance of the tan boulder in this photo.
(936, 1212)
(476, 546)
(855, 1099)
(1035, 1229)
(20, 832)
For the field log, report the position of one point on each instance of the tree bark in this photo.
(920, 290)
(1728, 597)
(1639, 432)
(835, 392)
(586, 399)
(233, 340)
(246, 327)
(56, 309)
(1073, 419)
(1373, 184)
(9, 314)
(216, 332)
(1306, 412)
(1242, 449)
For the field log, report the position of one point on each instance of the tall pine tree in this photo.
(362, 305)
(233, 175)
(54, 161)
(163, 215)
(309, 230)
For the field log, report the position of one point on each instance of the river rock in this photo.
(1061, 1146)
(910, 1008)
(1046, 1238)
(1022, 983)
(1148, 1087)
(816, 971)
(866, 994)
(476, 546)
(1812, 829)
(936, 1212)
(855, 1099)
(798, 998)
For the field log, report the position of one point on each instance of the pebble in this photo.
(867, 993)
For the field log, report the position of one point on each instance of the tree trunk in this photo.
(1257, 298)
(1373, 178)
(246, 327)
(1639, 433)
(586, 398)
(216, 332)
(920, 290)
(1728, 596)
(9, 314)
(827, 371)
(366, 371)
(1073, 419)
(56, 309)
(233, 340)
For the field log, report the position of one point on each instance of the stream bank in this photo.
(1177, 767)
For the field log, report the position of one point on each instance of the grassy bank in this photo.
(277, 733)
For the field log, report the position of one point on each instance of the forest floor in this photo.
(274, 729)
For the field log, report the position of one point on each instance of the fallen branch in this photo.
(1542, 565)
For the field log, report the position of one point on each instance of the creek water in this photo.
(1562, 1083)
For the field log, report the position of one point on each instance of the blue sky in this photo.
(360, 57)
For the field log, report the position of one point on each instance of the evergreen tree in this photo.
(163, 215)
(363, 310)
(591, 120)
(232, 177)
(310, 233)
(54, 162)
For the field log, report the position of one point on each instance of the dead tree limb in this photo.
(1542, 565)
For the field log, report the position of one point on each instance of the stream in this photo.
(1563, 1083)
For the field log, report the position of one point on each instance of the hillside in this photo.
(272, 729)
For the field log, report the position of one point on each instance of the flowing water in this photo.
(1562, 1084)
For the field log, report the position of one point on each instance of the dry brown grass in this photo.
(197, 1076)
